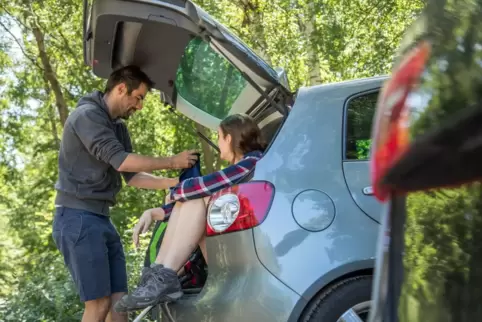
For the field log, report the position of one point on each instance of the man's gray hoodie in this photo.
(93, 146)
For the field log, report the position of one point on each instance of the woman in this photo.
(240, 143)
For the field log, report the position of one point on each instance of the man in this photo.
(95, 150)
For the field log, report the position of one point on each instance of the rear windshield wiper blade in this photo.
(205, 138)
(171, 109)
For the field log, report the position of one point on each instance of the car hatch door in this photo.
(195, 61)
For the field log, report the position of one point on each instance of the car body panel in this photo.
(305, 156)
(357, 175)
(238, 288)
(357, 172)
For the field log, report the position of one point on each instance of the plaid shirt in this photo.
(200, 187)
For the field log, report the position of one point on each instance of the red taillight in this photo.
(239, 207)
(391, 125)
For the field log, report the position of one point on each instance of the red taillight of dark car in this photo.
(391, 126)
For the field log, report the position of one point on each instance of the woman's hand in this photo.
(168, 199)
(145, 222)
(172, 182)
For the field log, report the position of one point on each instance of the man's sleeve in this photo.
(128, 148)
(98, 137)
(207, 185)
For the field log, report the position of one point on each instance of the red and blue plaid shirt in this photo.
(200, 187)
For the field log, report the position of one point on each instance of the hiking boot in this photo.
(119, 305)
(144, 274)
(158, 284)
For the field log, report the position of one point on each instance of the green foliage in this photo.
(442, 247)
(363, 149)
(335, 40)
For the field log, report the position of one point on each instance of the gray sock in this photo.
(155, 264)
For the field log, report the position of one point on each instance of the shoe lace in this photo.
(161, 275)
(145, 277)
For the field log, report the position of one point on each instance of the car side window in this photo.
(360, 112)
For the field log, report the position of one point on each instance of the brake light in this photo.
(240, 207)
(391, 127)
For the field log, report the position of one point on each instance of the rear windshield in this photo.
(207, 80)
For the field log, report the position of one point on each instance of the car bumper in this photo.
(238, 288)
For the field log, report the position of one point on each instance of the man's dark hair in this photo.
(130, 75)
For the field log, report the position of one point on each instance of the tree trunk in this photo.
(224, 93)
(253, 20)
(259, 38)
(51, 76)
(310, 35)
(51, 114)
(208, 154)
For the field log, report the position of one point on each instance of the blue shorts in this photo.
(92, 252)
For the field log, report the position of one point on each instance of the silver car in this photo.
(296, 241)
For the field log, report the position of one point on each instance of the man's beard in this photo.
(128, 113)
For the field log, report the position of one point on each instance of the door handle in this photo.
(368, 191)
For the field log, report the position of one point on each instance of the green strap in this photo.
(153, 249)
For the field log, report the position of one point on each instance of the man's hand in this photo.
(145, 222)
(141, 163)
(185, 159)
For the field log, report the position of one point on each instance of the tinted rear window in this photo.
(207, 80)
(360, 113)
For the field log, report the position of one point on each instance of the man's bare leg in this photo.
(114, 316)
(96, 310)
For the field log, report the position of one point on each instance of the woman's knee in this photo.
(206, 200)
(194, 204)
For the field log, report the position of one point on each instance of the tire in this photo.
(332, 303)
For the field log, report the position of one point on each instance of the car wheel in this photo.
(345, 301)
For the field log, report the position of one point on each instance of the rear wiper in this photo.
(208, 141)
(170, 107)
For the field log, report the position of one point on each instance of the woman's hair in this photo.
(245, 134)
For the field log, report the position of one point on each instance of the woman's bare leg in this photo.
(202, 245)
(184, 235)
(170, 230)
(168, 238)
(202, 242)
